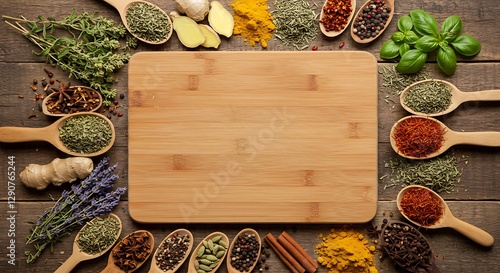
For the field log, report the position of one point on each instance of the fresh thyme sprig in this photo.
(86, 49)
(83, 202)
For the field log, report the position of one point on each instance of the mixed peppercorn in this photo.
(372, 19)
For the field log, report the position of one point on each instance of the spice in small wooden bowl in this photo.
(172, 252)
(131, 252)
(70, 100)
(244, 251)
(209, 253)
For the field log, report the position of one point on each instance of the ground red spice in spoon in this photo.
(422, 206)
(418, 136)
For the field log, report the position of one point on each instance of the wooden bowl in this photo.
(47, 112)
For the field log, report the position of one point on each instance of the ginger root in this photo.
(57, 172)
(212, 39)
(220, 19)
(188, 31)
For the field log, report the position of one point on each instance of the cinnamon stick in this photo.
(300, 249)
(296, 254)
(284, 256)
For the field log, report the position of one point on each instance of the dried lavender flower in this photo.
(85, 201)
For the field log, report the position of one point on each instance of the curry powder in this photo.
(253, 21)
(346, 250)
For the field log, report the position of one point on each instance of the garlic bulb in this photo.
(194, 9)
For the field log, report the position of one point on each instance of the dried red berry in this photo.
(314, 48)
(341, 45)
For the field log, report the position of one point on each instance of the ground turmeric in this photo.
(253, 21)
(346, 250)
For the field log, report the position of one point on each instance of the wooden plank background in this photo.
(477, 199)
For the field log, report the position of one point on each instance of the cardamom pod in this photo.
(200, 252)
(205, 267)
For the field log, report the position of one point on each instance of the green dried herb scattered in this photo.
(296, 22)
(440, 174)
(397, 82)
(82, 44)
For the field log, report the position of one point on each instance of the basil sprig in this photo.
(418, 34)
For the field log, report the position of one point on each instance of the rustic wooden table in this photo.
(476, 199)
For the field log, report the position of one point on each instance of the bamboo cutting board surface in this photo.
(252, 137)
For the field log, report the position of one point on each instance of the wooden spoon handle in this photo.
(69, 264)
(20, 134)
(119, 5)
(491, 139)
(472, 232)
(485, 95)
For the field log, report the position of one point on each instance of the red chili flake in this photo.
(341, 45)
(422, 206)
(314, 48)
(336, 14)
(31, 116)
(20, 96)
(418, 136)
(120, 114)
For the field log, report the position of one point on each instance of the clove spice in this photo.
(73, 99)
(406, 246)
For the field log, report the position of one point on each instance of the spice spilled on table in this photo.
(418, 136)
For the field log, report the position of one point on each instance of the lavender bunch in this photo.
(83, 202)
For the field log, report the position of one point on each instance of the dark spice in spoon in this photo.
(407, 247)
(172, 251)
(132, 250)
(73, 99)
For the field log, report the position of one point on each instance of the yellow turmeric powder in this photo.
(253, 21)
(346, 250)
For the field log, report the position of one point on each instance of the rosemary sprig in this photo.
(83, 202)
(85, 48)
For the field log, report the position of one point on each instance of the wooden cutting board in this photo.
(252, 137)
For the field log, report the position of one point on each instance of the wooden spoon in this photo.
(112, 268)
(451, 138)
(156, 269)
(457, 97)
(336, 33)
(192, 268)
(49, 97)
(356, 38)
(448, 220)
(230, 267)
(51, 134)
(78, 255)
(122, 7)
(398, 259)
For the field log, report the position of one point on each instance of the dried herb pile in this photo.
(84, 45)
(296, 22)
(440, 174)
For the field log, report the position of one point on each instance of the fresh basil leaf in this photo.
(451, 28)
(405, 23)
(389, 50)
(398, 36)
(447, 60)
(411, 62)
(403, 48)
(427, 43)
(466, 45)
(411, 38)
(424, 23)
